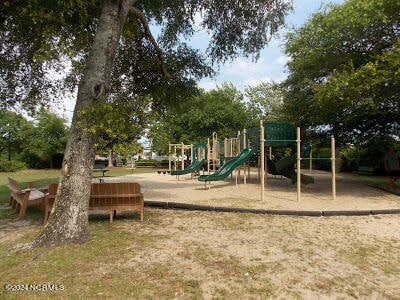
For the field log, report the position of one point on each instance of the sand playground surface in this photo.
(183, 254)
(279, 193)
(253, 256)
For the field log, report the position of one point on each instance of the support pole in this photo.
(192, 153)
(183, 156)
(208, 155)
(262, 159)
(225, 148)
(310, 159)
(333, 162)
(236, 176)
(174, 157)
(169, 157)
(298, 165)
(244, 138)
(245, 174)
(244, 146)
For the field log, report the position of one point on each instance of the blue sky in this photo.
(243, 72)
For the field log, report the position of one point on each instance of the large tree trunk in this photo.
(69, 221)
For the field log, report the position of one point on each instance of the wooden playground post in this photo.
(183, 156)
(298, 165)
(333, 163)
(244, 146)
(215, 152)
(262, 159)
(174, 157)
(225, 147)
(208, 155)
(169, 157)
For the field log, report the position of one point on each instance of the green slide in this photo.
(286, 167)
(229, 166)
(194, 166)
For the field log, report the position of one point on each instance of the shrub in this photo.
(322, 164)
(147, 163)
(11, 165)
(369, 154)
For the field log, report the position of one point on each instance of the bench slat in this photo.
(366, 170)
(108, 196)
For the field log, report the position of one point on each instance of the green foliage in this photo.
(236, 27)
(265, 102)
(321, 153)
(45, 142)
(36, 36)
(11, 165)
(40, 37)
(118, 124)
(148, 163)
(221, 110)
(12, 129)
(38, 144)
(344, 69)
(368, 154)
(127, 148)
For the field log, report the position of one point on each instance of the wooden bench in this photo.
(20, 198)
(365, 170)
(111, 196)
(100, 167)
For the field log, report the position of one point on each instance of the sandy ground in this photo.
(248, 256)
(279, 193)
(214, 255)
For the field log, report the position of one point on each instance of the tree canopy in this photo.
(12, 127)
(40, 38)
(113, 52)
(343, 74)
(37, 143)
(221, 110)
(265, 102)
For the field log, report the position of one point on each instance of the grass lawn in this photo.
(44, 177)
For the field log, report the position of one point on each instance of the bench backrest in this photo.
(115, 188)
(106, 188)
(52, 190)
(100, 165)
(14, 185)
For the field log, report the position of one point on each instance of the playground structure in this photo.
(213, 153)
(234, 157)
(284, 137)
(198, 158)
(208, 156)
(223, 159)
(174, 158)
(272, 135)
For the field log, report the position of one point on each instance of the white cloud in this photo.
(207, 84)
(271, 64)
(283, 60)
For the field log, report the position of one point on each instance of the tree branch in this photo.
(142, 18)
